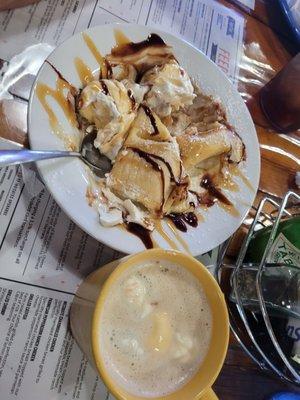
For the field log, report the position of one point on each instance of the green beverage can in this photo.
(285, 248)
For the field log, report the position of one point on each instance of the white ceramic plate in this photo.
(67, 178)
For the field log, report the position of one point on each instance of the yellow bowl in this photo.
(199, 385)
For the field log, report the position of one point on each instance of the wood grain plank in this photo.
(280, 160)
(243, 383)
(13, 121)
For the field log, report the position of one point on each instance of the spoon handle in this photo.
(11, 157)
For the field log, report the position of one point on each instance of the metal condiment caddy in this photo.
(264, 297)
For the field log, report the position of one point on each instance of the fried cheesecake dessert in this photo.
(169, 144)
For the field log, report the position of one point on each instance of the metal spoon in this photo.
(99, 163)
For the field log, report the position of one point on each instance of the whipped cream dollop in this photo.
(183, 348)
(96, 105)
(110, 107)
(114, 211)
(135, 293)
(135, 290)
(123, 71)
(171, 88)
(138, 91)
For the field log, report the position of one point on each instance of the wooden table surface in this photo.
(267, 49)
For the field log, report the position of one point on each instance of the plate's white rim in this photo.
(112, 243)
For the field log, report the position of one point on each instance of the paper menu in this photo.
(38, 242)
(49, 21)
(209, 26)
(38, 356)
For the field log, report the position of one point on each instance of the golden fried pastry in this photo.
(143, 55)
(148, 168)
(197, 147)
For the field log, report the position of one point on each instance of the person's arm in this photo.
(7, 4)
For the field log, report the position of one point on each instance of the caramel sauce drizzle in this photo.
(90, 196)
(105, 69)
(120, 38)
(230, 209)
(200, 217)
(228, 183)
(177, 236)
(83, 71)
(159, 229)
(235, 170)
(43, 91)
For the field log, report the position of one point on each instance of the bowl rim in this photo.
(214, 359)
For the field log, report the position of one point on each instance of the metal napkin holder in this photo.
(275, 360)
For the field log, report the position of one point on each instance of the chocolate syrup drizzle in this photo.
(73, 90)
(59, 74)
(178, 183)
(183, 219)
(109, 69)
(131, 48)
(191, 219)
(141, 232)
(104, 88)
(214, 192)
(148, 157)
(149, 114)
(179, 220)
(131, 97)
